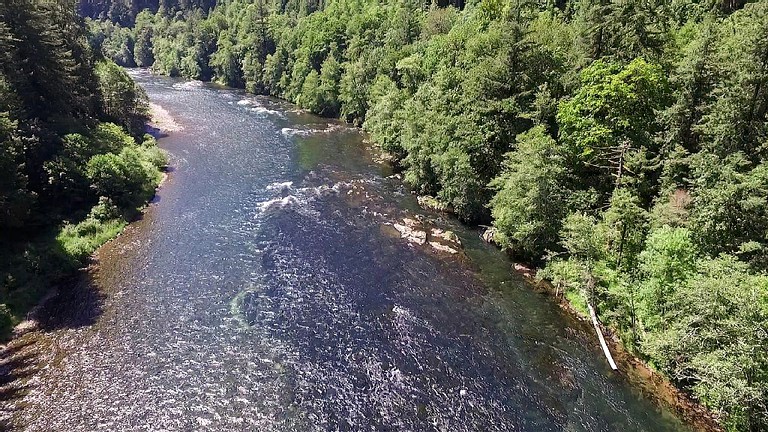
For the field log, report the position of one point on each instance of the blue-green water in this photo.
(266, 290)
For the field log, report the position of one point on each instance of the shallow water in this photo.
(266, 290)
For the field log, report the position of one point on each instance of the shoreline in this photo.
(653, 384)
(632, 367)
(27, 351)
(164, 123)
(32, 320)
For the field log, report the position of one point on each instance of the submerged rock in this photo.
(444, 241)
(443, 248)
(415, 231)
(408, 232)
(489, 235)
(448, 236)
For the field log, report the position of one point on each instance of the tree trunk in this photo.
(600, 336)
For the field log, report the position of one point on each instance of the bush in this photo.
(122, 100)
(81, 240)
(125, 178)
(104, 210)
(152, 154)
(111, 138)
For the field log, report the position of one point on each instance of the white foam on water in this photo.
(188, 85)
(276, 204)
(298, 199)
(280, 186)
(265, 111)
(289, 132)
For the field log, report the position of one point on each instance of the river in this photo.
(266, 289)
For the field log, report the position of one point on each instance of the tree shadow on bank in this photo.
(48, 293)
(19, 361)
(45, 283)
(77, 303)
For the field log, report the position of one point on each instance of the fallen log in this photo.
(600, 336)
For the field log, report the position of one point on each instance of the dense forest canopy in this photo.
(620, 144)
(74, 161)
(124, 11)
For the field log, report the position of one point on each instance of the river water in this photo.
(267, 290)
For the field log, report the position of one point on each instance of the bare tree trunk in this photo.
(600, 336)
(590, 297)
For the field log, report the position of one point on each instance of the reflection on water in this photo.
(263, 293)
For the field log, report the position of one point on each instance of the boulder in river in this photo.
(415, 232)
(442, 248)
(409, 231)
(448, 236)
(444, 241)
(489, 235)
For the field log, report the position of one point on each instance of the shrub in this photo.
(79, 241)
(124, 178)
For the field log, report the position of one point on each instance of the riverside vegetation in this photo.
(74, 161)
(620, 145)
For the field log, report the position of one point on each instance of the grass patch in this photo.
(576, 300)
(81, 240)
(28, 269)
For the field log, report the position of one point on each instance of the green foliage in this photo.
(66, 176)
(54, 96)
(625, 223)
(730, 207)
(714, 337)
(122, 100)
(15, 198)
(531, 196)
(583, 238)
(386, 116)
(621, 142)
(608, 125)
(142, 33)
(55, 101)
(667, 262)
(113, 41)
(620, 30)
(126, 178)
(737, 117)
(79, 241)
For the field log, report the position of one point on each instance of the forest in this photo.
(619, 145)
(75, 163)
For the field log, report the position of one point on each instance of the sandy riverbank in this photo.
(162, 120)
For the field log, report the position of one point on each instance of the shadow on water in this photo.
(18, 362)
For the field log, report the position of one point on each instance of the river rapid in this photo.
(268, 289)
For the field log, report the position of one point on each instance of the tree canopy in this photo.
(71, 141)
(621, 145)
